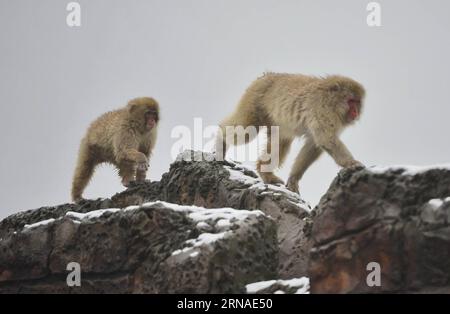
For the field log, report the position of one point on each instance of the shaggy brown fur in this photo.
(124, 138)
(313, 107)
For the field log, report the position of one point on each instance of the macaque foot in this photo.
(140, 176)
(127, 181)
(79, 200)
(270, 178)
(354, 164)
(142, 166)
(292, 185)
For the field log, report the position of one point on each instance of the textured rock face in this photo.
(207, 184)
(181, 235)
(153, 248)
(398, 218)
(112, 248)
(227, 184)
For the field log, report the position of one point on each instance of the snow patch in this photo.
(206, 239)
(203, 225)
(223, 213)
(437, 202)
(239, 176)
(258, 184)
(206, 220)
(132, 207)
(407, 169)
(39, 223)
(260, 285)
(301, 284)
(91, 214)
(223, 223)
(194, 254)
(200, 214)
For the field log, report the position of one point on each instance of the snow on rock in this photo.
(220, 220)
(75, 216)
(132, 207)
(437, 202)
(91, 214)
(295, 285)
(203, 226)
(194, 254)
(258, 286)
(237, 173)
(408, 169)
(208, 216)
(39, 223)
(161, 247)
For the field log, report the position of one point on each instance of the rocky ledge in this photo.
(214, 227)
(396, 217)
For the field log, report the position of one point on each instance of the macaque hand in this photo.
(142, 163)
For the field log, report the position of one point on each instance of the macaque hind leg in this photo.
(127, 171)
(283, 149)
(339, 152)
(308, 154)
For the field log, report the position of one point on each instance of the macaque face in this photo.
(145, 111)
(151, 118)
(354, 108)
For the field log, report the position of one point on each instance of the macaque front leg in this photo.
(133, 165)
(138, 158)
(340, 154)
(141, 174)
(308, 154)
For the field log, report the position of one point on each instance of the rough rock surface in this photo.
(397, 217)
(31, 253)
(229, 233)
(214, 184)
(154, 248)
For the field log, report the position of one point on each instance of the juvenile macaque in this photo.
(316, 108)
(124, 138)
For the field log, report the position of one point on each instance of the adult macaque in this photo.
(316, 108)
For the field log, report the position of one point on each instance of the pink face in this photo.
(151, 119)
(354, 108)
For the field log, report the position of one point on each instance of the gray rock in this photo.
(154, 248)
(193, 179)
(396, 217)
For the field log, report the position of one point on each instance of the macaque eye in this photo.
(353, 102)
(153, 114)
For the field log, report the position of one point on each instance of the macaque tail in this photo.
(83, 172)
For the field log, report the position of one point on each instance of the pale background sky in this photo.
(197, 57)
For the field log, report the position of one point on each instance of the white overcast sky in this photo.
(197, 57)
